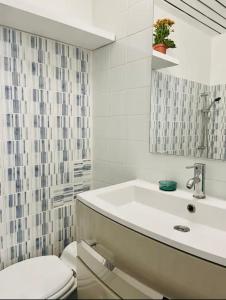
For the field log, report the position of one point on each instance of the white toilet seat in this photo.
(66, 291)
(45, 277)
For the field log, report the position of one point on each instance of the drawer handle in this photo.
(87, 248)
(120, 282)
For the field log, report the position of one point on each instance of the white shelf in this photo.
(52, 26)
(161, 61)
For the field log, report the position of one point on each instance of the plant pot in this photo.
(160, 48)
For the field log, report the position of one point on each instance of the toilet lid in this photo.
(35, 278)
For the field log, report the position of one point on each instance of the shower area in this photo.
(45, 143)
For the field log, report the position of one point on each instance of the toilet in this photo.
(45, 277)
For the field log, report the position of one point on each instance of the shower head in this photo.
(217, 100)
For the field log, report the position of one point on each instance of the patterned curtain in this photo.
(45, 143)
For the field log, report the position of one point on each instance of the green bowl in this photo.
(167, 185)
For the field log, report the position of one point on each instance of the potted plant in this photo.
(162, 30)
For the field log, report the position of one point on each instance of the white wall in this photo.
(193, 47)
(122, 76)
(218, 66)
(201, 55)
(69, 9)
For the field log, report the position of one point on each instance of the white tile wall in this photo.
(138, 45)
(139, 16)
(122, 77)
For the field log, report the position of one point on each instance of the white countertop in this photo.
(140, 206)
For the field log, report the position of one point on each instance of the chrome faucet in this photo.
(198, 181)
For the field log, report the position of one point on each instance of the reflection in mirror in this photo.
(188, 103)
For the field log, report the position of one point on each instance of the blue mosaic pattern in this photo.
(176, 117)
(45, 121)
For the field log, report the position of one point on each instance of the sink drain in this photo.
(182, 228)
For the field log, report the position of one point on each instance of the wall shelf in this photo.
(51, 26)
(161, 61)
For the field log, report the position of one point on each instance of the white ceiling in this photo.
(210, 14)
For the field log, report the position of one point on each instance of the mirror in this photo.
(188, 99)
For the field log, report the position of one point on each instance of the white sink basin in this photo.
(142, 207)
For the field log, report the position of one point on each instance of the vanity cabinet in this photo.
(169, 272)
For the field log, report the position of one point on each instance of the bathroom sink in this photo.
(197, 227)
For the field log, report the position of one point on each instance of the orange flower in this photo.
(162, 22)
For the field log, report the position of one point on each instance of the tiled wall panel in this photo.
(44, 142)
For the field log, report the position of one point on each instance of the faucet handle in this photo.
(197, 166)
(190, 167)
(198, 169)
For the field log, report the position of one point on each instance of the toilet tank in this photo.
(69, 256)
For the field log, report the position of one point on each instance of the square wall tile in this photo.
(140, 16)
(138, 74)
(139, 45)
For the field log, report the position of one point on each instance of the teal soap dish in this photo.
(167, 185)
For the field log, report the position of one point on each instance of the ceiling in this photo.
(210, 14)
